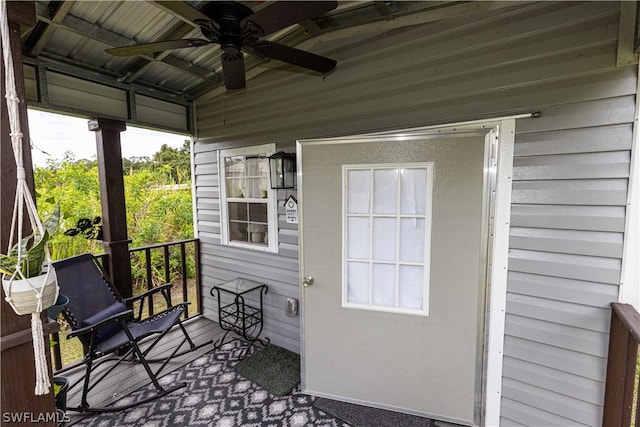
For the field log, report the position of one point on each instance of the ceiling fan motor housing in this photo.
(228, 31)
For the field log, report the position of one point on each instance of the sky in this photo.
(54, 134)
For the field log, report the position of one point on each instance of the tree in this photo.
(179, 159)
(135, 164)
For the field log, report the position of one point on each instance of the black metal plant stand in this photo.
(245, 320)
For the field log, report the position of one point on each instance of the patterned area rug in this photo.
(216, 395)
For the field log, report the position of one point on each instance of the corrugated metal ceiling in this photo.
(75, 34)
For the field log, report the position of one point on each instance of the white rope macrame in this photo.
(24, 201)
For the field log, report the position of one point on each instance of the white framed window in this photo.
(248, 205)
(387, 237)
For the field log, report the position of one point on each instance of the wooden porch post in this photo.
(114, 216)
(18, 369)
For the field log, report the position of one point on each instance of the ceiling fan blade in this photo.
(142, 49)
(290, 55)
(281, 14)
(182, 9)
(233, 70)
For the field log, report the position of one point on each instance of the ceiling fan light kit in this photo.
(236, 28)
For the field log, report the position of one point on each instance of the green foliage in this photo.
(175, 162)
(159, 209)
(29, 253)
(178, 159)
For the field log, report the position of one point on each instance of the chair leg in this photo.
(187, 338)
(85, 386)
(186, 335)
(161, 391)
(164, 392)
(92, 364)
(137, 356)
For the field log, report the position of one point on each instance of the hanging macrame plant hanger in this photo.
(25, 293)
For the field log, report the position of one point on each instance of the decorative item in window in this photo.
(282, 167)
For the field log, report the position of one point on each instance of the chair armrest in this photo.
(182, 305)
(87, 329)
(166, 286)
(164, 289)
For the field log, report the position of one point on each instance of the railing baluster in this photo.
(196, 255)
(167, 272)
(147, 253)
(183, 272)
(57, 354)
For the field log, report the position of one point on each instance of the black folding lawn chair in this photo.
(109, 331)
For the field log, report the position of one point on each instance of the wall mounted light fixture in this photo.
(282, 167)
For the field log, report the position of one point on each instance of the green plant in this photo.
(27, 256)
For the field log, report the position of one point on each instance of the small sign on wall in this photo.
(291, 210)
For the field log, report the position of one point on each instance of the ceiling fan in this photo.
(235, 27)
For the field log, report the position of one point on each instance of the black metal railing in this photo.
(173, 262)
(621, 393)
(172, 267)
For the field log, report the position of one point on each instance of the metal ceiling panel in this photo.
(163, 75)
(141, 21)
(75, 34)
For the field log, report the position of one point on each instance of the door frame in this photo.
(497, 211)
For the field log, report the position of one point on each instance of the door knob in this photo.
(308, 281)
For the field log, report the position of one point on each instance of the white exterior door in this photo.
(394, 237)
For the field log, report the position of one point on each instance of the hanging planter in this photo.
(25, 261)
(29, 283)
(23, 293)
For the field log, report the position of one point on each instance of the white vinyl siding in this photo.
(570, 177)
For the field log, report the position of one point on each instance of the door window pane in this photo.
(412, 243)
(387, 236)
(384, 284)
(358, 283)
(384, 239)
(385, 198)
(358, 242)
(413, 198)
(411, 289)
(359, 195)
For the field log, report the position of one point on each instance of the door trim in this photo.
(489, 384)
